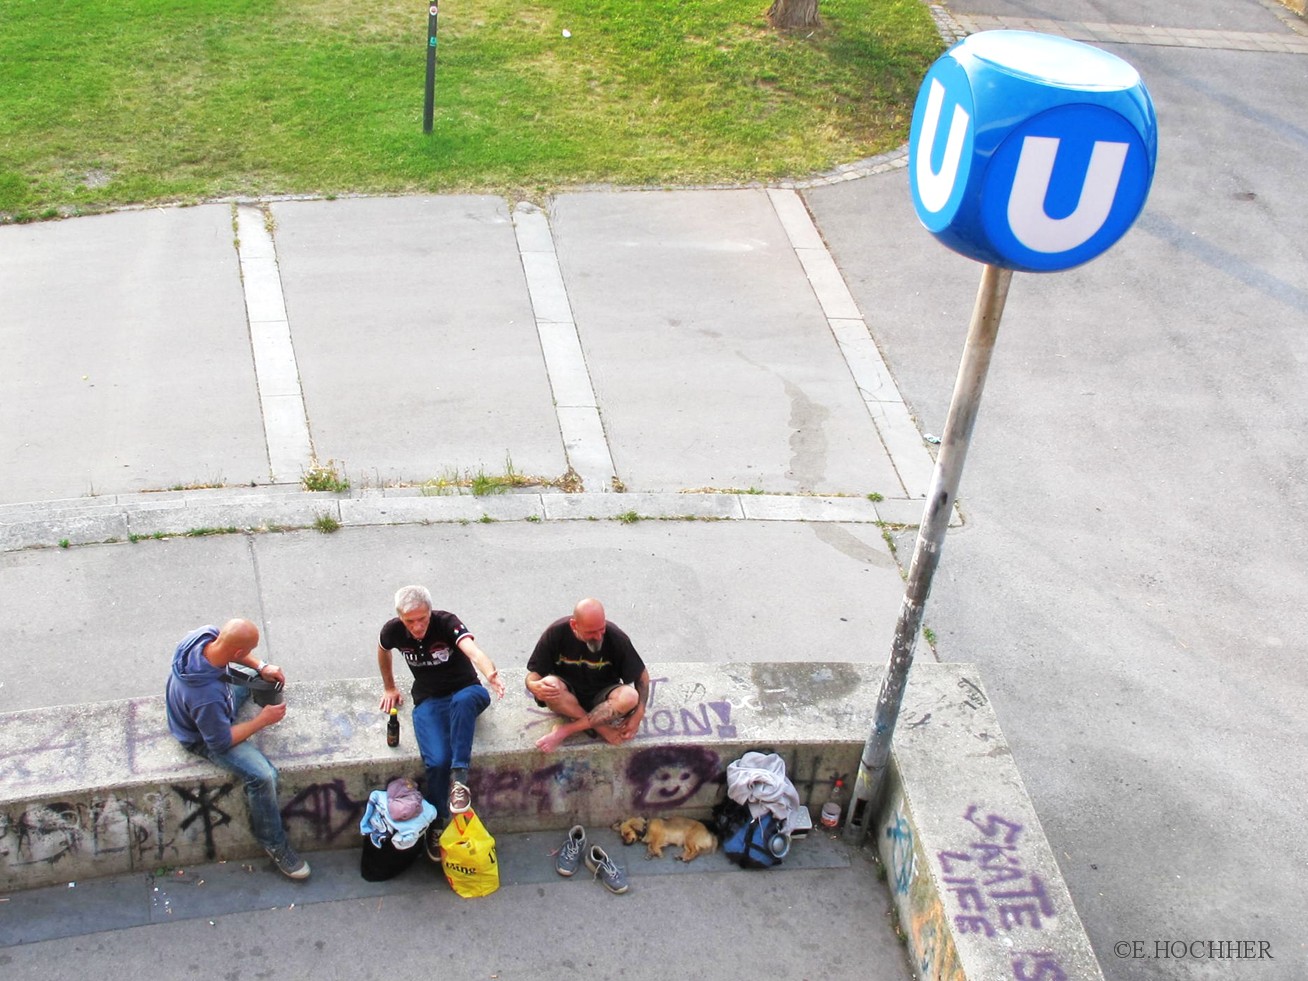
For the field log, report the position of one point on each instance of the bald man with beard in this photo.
(202, 708)
(586, 669)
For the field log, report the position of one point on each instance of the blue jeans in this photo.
(444, 728)
(260, 777)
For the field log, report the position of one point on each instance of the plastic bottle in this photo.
(393, 728)
(835, 800)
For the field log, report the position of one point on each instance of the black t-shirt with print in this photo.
(560, 653)
(439, 667)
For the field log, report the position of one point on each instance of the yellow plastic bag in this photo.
(468, 856)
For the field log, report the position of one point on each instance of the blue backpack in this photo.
(757, 844)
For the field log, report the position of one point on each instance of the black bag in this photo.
(759, 844)
(377, 863)
(728, 818)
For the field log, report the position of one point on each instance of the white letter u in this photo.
(934, 188)
(1026, 202)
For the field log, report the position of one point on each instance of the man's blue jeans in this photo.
(444, 729)
(260, 777)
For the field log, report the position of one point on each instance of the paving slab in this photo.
(711, 357)
(415, 337)
(127, 356)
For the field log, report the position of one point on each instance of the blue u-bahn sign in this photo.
(1029, 151)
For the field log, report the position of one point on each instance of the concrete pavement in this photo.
(1128, 578)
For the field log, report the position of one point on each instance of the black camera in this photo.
(263, 692)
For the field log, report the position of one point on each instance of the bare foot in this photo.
(551, 741)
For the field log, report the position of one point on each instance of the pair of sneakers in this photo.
(573, 852)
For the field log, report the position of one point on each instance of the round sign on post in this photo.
(1029, 151)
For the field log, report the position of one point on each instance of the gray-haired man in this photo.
(447, 697)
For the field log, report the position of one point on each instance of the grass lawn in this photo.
(108, 102)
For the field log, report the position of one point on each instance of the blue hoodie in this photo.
(199, 702)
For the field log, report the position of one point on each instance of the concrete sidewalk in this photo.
(791, 923)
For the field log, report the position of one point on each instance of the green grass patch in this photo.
(108, 102)
(326, 523)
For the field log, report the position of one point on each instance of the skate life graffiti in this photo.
(994, 892)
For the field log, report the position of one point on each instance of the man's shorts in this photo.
(589, 703)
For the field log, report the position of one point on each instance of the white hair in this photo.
(411, 598)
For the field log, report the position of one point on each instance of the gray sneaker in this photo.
(613, 876)
(289, 863)
(569, 856)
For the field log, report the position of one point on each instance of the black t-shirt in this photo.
(560, 653)
(439, 667)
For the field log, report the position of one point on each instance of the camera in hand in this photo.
(263, 692)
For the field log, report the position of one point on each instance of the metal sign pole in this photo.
(429, 100)
(954, 442)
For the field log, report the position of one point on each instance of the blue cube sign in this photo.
(1029, 151)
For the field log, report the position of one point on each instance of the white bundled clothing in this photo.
(378, 824)
(759, 780)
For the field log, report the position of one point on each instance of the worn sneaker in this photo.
(289, 863)
(614, 877)
(431, 840)
(569, 856)
(460, 798)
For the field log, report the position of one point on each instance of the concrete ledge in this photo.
(126, 517)
(979, 894)
(977, 888)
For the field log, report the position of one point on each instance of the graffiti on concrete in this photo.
(662, 777)
(671, 714)
(201, 803)
(936, 956)
(684, 716)
(994, 893)
(973, 697)
(1037, 965)
(543, 791)
(326, 809)
(104, 826)
(903, 858)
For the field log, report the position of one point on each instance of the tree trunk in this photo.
(790, 14)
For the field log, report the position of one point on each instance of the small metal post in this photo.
(429, 100)
(954, 442)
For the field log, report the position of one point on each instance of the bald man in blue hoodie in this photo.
(202, 708)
